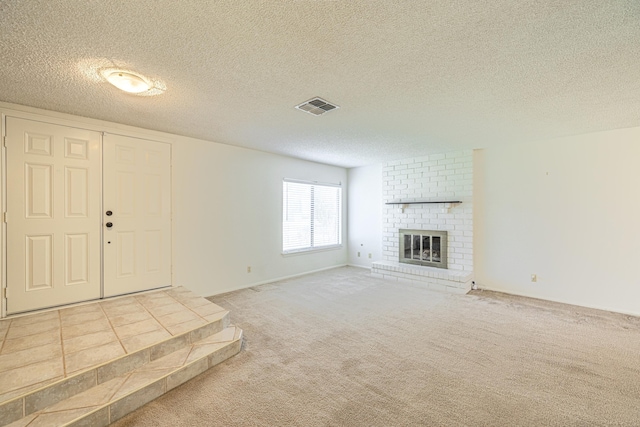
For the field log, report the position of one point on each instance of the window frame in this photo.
(340, 212)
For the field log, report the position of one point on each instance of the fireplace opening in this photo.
(424, 247)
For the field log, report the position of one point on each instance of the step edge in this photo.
(164, 377)
(223, 321)
(227, 344)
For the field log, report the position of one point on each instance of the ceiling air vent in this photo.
(316, 106)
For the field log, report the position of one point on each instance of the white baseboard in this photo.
(359, 266)
(277, 279)
(482, 287)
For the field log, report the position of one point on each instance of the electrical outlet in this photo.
(249, 269)
(534, 278)
(369, 255)
(358, 254)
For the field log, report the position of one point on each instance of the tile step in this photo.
(35, 400)
(107, 402)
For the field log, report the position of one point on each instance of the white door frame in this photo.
(62, 119)
(3, 225)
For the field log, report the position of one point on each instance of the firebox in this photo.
(424, 247)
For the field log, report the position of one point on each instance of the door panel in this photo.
(137, 190)
(53, 208)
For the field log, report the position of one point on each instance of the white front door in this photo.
(136, 214)
(53, 215)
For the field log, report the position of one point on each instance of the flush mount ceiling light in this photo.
(100, 70)
(128, 81)
(316, 106)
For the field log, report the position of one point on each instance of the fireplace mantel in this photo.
(420, 202)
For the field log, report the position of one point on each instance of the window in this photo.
(311, 216)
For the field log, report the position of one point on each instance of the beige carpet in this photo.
(340, 348)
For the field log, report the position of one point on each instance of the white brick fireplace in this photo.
(444, 177)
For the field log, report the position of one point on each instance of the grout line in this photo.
(154, 317)
(188, 354)
(187, 321)
(64, 361)
(125, 324)
(30, 364)
(119, 388)
(32, 388)
(28, 335)
(163, 379)
(6, 334)
(44, 411)
(113, 329)
(197, 314)
(92, 346)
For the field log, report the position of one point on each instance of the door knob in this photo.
(109, 213)
(109, 224)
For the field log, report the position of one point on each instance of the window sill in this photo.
(311, 250)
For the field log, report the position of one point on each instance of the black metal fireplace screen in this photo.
(424, 247)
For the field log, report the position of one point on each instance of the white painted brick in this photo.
(446, 194)
(445, 162)
(430, 177)
(453, 154)
(453, 167)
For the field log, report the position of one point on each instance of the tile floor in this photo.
(40, 349)
(128, 391)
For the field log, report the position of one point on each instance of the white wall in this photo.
(567, 210)
(227, 208)
(228, 216)
(365, 215)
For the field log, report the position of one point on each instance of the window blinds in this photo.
(311, 216)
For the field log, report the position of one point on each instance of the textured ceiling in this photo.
(411, 77)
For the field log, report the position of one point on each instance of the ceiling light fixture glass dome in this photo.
(128, 81)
